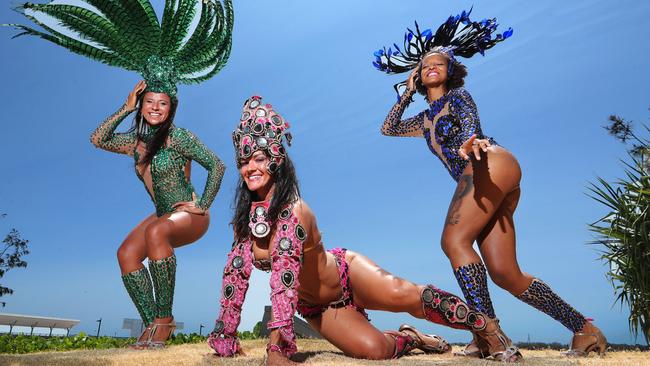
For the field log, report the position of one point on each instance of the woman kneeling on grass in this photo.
(276, 231)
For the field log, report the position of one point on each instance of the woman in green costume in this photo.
(129, 35)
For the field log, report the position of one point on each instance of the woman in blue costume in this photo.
(129, 35)
(487, 175)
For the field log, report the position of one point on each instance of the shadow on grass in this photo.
(303, 356)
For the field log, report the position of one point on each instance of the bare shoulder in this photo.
(307, 220)
(303, 212)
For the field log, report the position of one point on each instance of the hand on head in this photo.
(132, 99)
(411, 80)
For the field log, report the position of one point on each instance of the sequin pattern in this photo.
(312, 311)
(169, 183)
(395, 126)
(234, 285)
(286, 260)
(454, 119)
(472, 279)
(540, 296)
(444, 308)
(163, 274)
(138, 285)
(261, 128)
(104, 137)
(404, 343)
(258, 219)
(452, 127)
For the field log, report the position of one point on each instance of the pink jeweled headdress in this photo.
(261, 128)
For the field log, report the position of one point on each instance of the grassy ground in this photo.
(312, 352)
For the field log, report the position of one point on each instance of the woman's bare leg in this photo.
(172, 231)
(480, 192)
(497, 244)
(479, 195)
(375, 289)
(162, 236)
(368, 342)
(133, 249)
(135, 275)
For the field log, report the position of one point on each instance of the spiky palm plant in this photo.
(624, 233)
(127, 34)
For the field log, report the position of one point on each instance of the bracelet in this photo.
(272, 347)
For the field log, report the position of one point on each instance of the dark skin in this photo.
(374, 288)
(484, 202)
(157, 237)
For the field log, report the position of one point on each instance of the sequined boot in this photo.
(138, 285)
(472, 279)
(447, 309)
(540, 296)
(163, 273)
(586, 336)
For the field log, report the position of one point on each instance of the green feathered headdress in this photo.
(127, 34)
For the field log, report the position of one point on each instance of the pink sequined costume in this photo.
(310, 311)
(286, 258)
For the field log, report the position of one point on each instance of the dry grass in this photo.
(314, 352)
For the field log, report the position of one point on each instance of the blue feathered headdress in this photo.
(458, 36)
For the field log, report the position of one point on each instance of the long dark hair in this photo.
(140, 127)
(455, 80)
(286, 191)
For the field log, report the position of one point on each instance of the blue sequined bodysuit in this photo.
(453, 118)
(167, 172)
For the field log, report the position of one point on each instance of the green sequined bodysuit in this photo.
(168, 181)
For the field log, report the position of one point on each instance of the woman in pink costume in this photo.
(276, 231)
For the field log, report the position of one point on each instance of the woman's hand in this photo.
(132, 99)
(410, 82)
(473, 146)
(190, 207)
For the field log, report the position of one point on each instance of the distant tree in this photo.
(624, 233)
(257, 330)
(13, 249)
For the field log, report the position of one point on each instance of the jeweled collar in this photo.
(259, 219)
(437, 105)
(148, 132)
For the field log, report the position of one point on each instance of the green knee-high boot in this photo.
(163, 273)
(138, 285)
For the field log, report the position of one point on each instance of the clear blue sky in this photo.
(544, 94)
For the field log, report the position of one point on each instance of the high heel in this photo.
(161, 344)
(471, 350)
(494, 344)
(598, 344)
(429, 343)
(140, 345)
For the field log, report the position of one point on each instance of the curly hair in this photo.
(455, 80)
